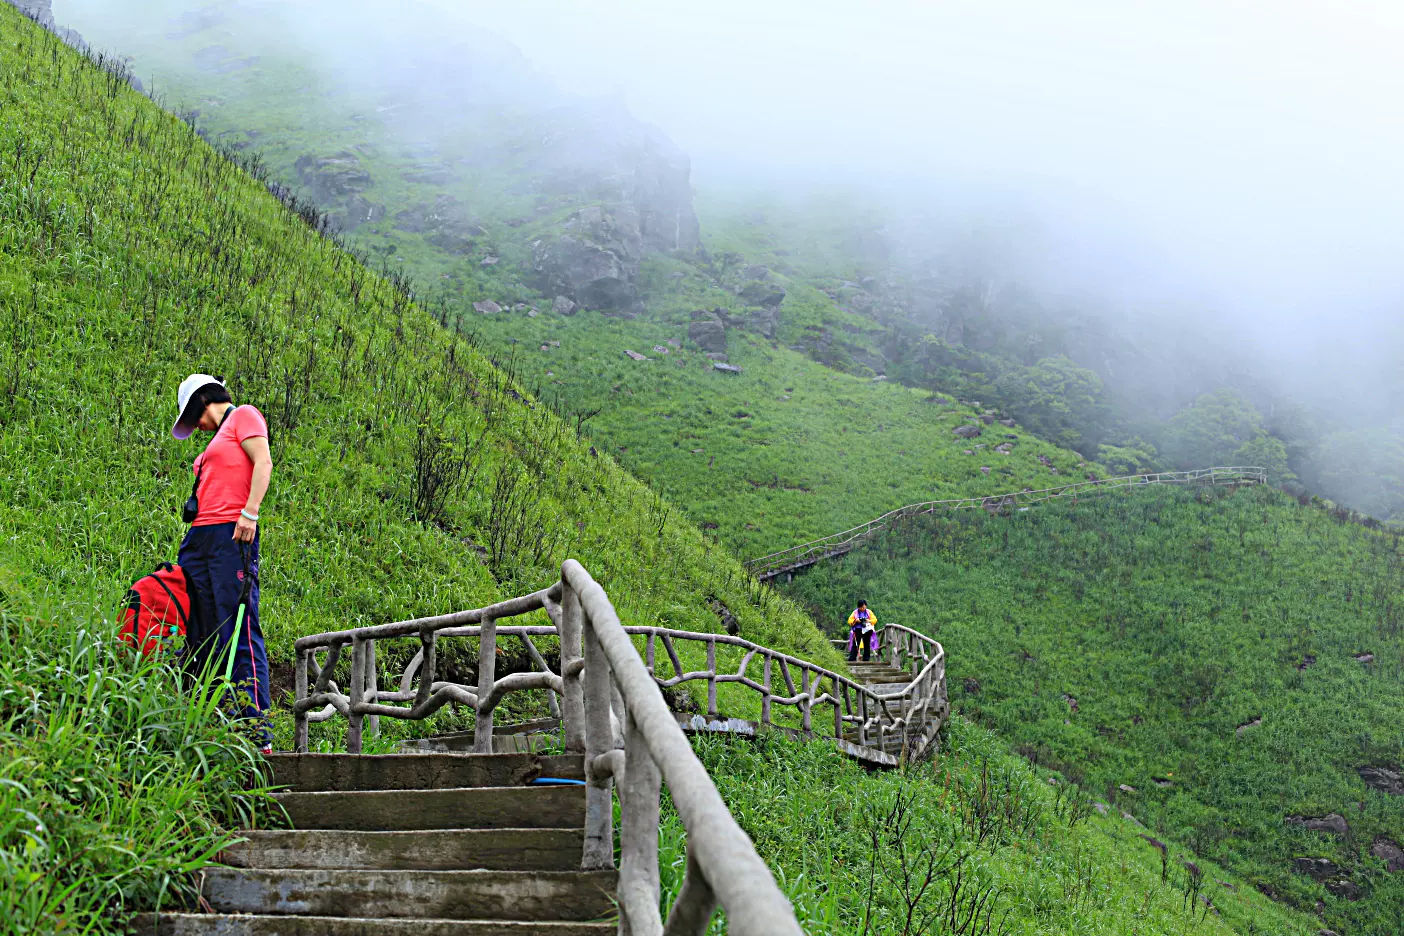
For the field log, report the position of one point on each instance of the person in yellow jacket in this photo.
(862, 630)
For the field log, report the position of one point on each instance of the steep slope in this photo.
(1226, 666)
(133, 254)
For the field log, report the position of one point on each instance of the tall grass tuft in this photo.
(116, 784)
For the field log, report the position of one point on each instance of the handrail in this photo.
(722, 864)
(814, 551)
(613, 713)
(900, 719)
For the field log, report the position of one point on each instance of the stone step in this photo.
(418, 771)
(508, 807)
(216, 924)
(445, 895)
(426, 850)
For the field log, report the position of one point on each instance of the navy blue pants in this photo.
(216, 566)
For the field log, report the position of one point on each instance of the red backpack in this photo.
(157, 609)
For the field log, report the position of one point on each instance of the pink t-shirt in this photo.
(228, 470)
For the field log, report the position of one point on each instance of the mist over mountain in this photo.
(1180, 200)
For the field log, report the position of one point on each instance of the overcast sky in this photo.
(1257, 144)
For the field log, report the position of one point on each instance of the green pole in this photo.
(234, 644)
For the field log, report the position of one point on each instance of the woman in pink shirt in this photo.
(220, 551)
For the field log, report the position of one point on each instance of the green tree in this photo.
(1212, 430)
(1364, 469)
(1266, 451)
(1135, 456)
(1057, 400)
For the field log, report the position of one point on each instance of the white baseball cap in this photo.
(183, 428)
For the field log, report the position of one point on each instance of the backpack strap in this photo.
(174, 603)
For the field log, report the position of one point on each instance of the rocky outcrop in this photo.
(594, 260)
(1390, 853)
(1387, 780)
(1333, 823)
(762, 294)
(41, 11)
(446, 223)
(708, 332)
(1318, 868)
(333, 177)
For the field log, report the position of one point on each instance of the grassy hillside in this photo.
(1009, 851)
(1213, 662)
(413, 476)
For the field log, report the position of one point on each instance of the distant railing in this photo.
(613, 713)
(797, 557)
(876, 726)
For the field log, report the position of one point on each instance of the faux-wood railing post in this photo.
(573, 696)
(712, 678)
(487, 675)
(638, 837)
(806, 704)
(863, 717)
(300, 693)
(599, 807)
(372, 689)
(354, 694)
(765, 696)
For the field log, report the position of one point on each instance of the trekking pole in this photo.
(239, 619)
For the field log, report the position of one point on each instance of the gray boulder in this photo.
(445, 222)
(1385, 779)
(969, 432)
(1390, 853)
(1333, 823)
(707, 332)
(330, 179)
(358, 211)
(595, 259)
(726, 368)
(765, 321)
(563, 306)
(1318, 868)
(758, 293)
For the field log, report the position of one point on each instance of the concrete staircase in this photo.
(883, 679)
(878, 676)
(430, 844)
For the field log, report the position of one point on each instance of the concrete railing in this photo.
(806, 554)
(613, 714)
(883, 728)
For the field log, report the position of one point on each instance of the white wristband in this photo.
(248, 516)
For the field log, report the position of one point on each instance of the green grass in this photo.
(1045, 861)
(114, 788)
(1172, 617)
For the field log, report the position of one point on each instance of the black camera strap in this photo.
(200, 472)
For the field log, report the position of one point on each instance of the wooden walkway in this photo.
(788, 561)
